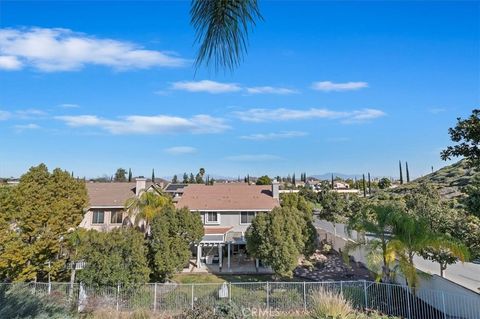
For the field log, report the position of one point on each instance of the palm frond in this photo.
(222, 28)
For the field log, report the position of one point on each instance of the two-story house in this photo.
(106, 208)
(226, 211)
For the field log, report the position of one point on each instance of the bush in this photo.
(19, 302)
(328, 304)
(228, 310)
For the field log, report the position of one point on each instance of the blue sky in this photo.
(348, 87)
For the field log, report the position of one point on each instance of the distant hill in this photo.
(448, 180)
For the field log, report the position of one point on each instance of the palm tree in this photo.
(376, 220)
(222, 28)
(145, 207)
(412, 236)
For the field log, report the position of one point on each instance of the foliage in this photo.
(384, 183)
(227, 310)
(467, 229)
(334, 207)
(172, 233)
(174, 179)
(146, 206)
(327, 304)
(222, 30)
(278, 239)
(264, 180)
(19, 302)
(117, 256)
(472, 201)
(120, 175)
(467, 136)
(36, 215)
(305, 209)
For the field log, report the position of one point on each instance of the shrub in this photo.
(328, 304)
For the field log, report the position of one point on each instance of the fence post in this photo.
(304, 296)
(444, 308)
(118, 295)
(229, 291)
(268, 298)
(155, 297)
(341, 287)
(192, 295)
(365, 293)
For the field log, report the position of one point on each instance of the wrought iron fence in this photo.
(263, 297)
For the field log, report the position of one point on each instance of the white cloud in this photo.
(4, 115)
(328, 86)
(157, 124)
(180, 150)
(252, 158)
(24, 127)
(270, 90)
(273, 136)
(69, 106)
(206, 86)
(8, 62)
(30, 114)
(284, 114)
(437, 110)
(59, 49)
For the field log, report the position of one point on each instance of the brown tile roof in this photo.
(235, 196)
(109, 194)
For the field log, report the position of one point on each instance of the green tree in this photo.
(467, 136)
(120, 175)
(401, 173)
(175, 179)
(145, 207)
(185, 178)
(277, 239)
(222, 30)
(37, 215)
(264, 180)
(173, 232)
(305, 208)
(384, 183)
(407, 172)
(334, 207)
(191, 179)
(129, 175)
(376, 219)
(114, 257)
(153, 175)
(472, 200)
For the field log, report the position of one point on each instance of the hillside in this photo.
(449, 180)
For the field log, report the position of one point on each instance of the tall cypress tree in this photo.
(364, 188)
(332, 181)
(293, 179)
(401, 173)
(407, 172)
(369, 185)
(153, 175)
(129, 175)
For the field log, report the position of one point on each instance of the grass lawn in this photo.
(211, 278)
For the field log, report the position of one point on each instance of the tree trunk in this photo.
(72, 279)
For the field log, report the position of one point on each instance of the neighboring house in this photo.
(226, 211)
(106, 209)
(175, 190)
(340, 185)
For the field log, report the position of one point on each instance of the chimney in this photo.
(275, 189)
(141, 184)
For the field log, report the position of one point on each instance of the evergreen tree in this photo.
(294, 182)
(248, 178)
(153, 175)
(401, 173)
(364, 187)
(185, 178)
(120, 175)
(129, 175)
(175, 179)
(332, 185)
(191, 180)
(35, 217)
(407, 172)
(369, 185)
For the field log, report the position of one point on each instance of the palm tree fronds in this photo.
(222, 28)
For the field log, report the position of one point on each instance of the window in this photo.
(211, 218)
(116, 217)
(246, 217)
(98, 217)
